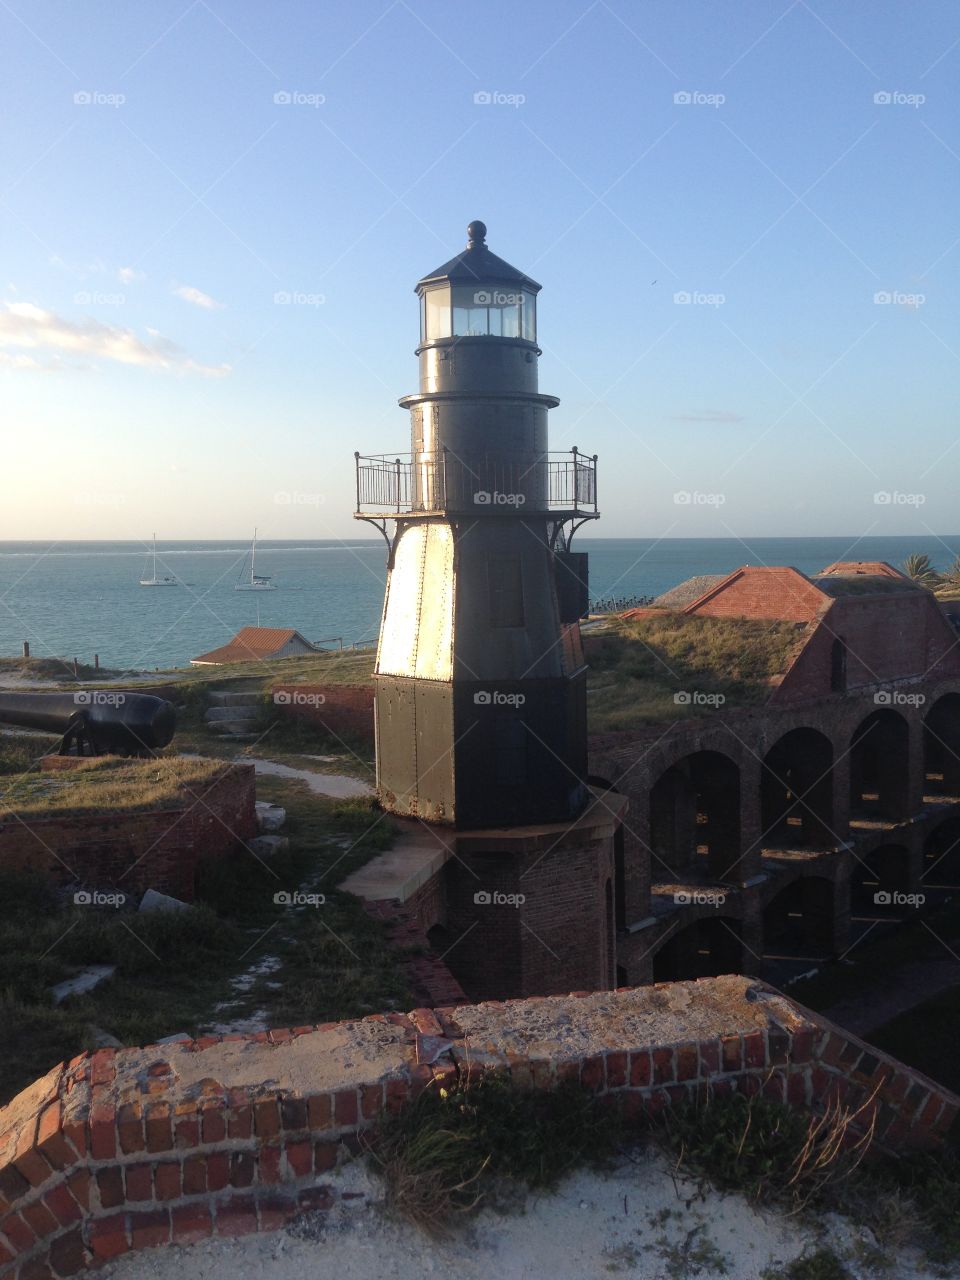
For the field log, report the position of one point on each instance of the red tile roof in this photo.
(252, 644)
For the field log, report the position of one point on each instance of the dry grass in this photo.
(645, 663)
(109, 784)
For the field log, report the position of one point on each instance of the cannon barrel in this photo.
(105, 720)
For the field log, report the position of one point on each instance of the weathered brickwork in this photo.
(132, 852)
(124, 1149)
(341, 710)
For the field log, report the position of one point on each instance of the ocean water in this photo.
(75, 599)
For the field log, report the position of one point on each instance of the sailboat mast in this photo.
(154, 556)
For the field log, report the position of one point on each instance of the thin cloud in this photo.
(708, 415)
(199, 299)
(28, 327)
(130, 275)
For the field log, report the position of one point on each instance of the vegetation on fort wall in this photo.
(662, 667)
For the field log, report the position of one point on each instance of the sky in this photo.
(213, 215)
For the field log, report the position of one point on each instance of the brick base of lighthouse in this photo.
(530, 910)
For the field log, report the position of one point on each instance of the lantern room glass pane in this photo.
(436, 313)
(494, 311)
(530, 316)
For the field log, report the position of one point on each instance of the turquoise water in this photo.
(75, 599)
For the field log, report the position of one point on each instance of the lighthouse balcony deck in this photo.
(444, 482)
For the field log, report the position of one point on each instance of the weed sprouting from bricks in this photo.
(455, 1150)
(769, 1152)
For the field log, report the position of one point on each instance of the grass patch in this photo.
(59, 669)
(176, 972)
(770, 1153)
(643, 663)
(20, 752)
(111, 783)
(452, 1151)
(821, 1264)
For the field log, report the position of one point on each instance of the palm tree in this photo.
(919, 568)
(950, 578)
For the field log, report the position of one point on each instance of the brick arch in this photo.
(880, 765)
(706, 944)
(941, 745)
(799, 915)
(878, 874)
(695, 815)
(796, 790)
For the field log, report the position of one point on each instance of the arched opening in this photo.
(877, 877)
(941, 857)
(796, 792)
(879, 767)
(941, 747)
(798, 921)
(702, 949)
(695, 816)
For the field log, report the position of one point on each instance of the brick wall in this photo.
(123, 1149)
(759, 592)
(343, 710)
(132, 852)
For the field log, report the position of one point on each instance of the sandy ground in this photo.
(636, 1221)
(338, 785)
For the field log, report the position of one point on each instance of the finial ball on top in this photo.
(476, 233)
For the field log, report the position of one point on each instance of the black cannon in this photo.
(95, 721)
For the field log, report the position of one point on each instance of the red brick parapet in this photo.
(122, 1149)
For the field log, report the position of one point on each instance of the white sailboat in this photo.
(154, 581)
(256, 581)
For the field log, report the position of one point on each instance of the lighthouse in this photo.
(480, 679)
